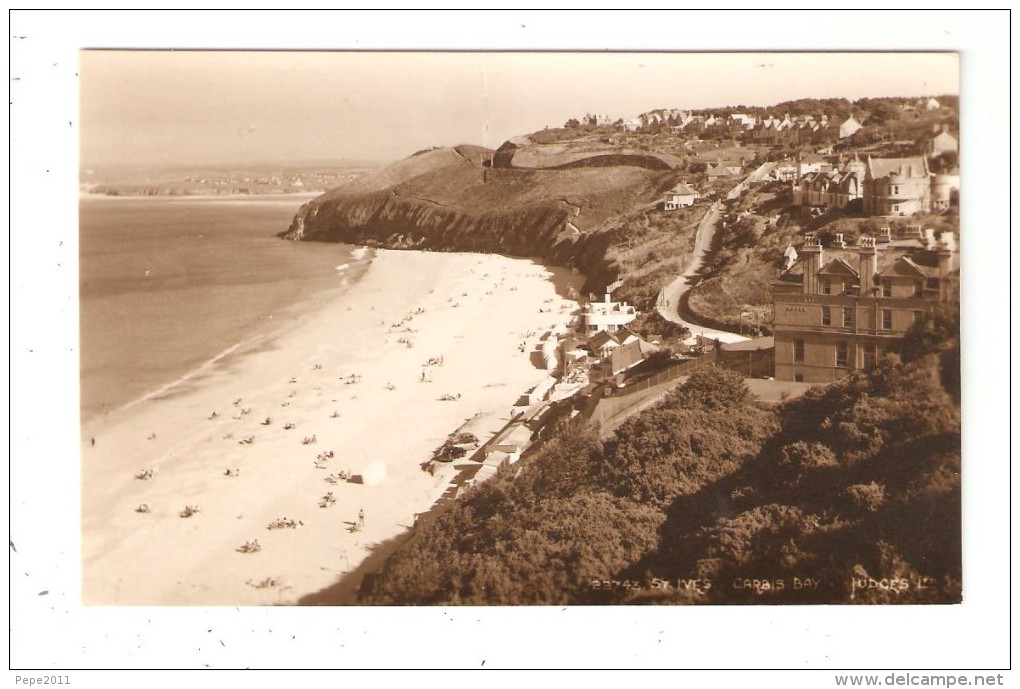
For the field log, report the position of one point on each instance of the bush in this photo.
(861, 481)
(931, 334)
(712, 389)
(804, 456)
(867, 496)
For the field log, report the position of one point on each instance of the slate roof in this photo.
(682, 189)
(905, 267)
(838, 266)
(917, 261)
(600, 340)
(754, 345)
(884, 167)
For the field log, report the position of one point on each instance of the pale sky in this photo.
(55, 631)
(179, 107)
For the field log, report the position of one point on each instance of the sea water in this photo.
(171, 286)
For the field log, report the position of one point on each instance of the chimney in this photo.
(884, 234)
(839, 243)
(811, 256)
(929, 237)
(948, 240)
(869, 263)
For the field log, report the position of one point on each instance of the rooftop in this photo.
(754, 345)
(916, 167)
(909, 257)
(682, 189)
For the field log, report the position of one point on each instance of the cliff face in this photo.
(449, 199)
(388, 220)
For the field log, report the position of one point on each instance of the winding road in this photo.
(670, 295)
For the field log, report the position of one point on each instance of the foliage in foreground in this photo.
(849, 494)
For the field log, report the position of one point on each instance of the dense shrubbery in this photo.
(538, 540)
(854, 488)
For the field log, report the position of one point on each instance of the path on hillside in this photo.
(671, 296)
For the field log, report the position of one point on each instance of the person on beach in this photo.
(361, 518)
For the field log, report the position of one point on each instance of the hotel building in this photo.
(839, 308)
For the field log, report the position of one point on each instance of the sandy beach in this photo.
(269, 436)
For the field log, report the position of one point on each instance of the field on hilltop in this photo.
(448, 177)
(583, 202)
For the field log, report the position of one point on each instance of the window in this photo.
(886, 289)
(842, 354)
(886, 319)
(848, 316)
(870, 354)
(918, 289)
(826, 287)
(798, 377)
(798, 351)
(826, 315)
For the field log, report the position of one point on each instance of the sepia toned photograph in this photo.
(525, 328)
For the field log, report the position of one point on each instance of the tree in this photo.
(882, 112)
(945, 162)
(572, 123)
(931, 334)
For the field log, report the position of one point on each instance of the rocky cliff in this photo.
(388, 220)
(446, 200)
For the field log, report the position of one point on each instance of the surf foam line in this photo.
(204, 367)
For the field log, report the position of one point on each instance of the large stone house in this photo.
(830, 190)
(897, 186)
(838, 309)
(827, 187)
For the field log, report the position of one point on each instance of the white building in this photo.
(679, 196)
(607, 315)
(943, 143)
(849, 127)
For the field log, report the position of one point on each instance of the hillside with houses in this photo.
(810, 243)
(626, 201)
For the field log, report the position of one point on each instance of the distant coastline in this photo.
(202, 196)
(218, 180)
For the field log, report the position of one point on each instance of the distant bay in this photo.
(168, 286)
